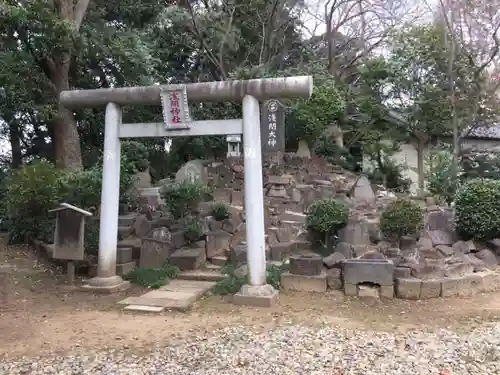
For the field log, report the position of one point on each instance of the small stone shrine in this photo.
(69, 235)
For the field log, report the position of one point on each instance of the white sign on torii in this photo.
(249, 92)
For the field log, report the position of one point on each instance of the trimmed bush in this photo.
(220, 211)
(477, 209)
(193, 228)
(402, 217)
(325, 217)
(182, 198)
(153, 278)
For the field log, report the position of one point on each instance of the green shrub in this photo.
(182, 198)
(477, 209)
(401, 218)
(482, 164)
(220, 211)
(31, 192)
(233, 283)
(137, 156)
(153, 278)
(325, 217)
(38, 187)
(442, 180)
(193, 228)
(82, 188)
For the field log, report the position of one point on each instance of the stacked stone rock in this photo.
(306, 274)
(437, 265)
(289, 188)
(162, 239)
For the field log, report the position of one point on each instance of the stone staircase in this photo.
(129, 249)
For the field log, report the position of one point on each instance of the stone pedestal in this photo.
(256, 295)
(106, 285)
(303, 283)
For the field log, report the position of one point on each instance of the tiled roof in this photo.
(492, 132)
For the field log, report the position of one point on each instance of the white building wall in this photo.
(408, 156)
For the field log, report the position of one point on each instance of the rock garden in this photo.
(326, 229)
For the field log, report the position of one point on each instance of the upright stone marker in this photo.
(192, 171)
(362, 190)
(272, 126)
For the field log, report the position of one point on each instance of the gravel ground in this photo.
(292, 350)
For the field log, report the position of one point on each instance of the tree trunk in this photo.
(420, 164)
(66, 140)
(15, 144)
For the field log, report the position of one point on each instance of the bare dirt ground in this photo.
(43, 315)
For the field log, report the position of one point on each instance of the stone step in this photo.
(219, 260)
(204, 274)
(188, 259)
(292, 216)
(177, 295)
(127, 220)
(212, 267)
(121, 269)
(133, 242)
(124, 255)
(124, 232)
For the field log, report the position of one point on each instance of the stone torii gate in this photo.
(249, 92)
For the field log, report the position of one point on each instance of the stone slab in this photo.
(188, 286)
(302, 283)
(124, 255)
(167, 294)
(219, 260)
(145, 301)
(387, 291)
(188, 259)
(202, 275)
(123, 269)
(133, 242)
(377, 271)
(177, 295)
(449, 287)
(470, 285)
(408, 288)
(306, 264)
(491, 281)
(127, 220)
(140, 308)
(430, 289)
(350, 290)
